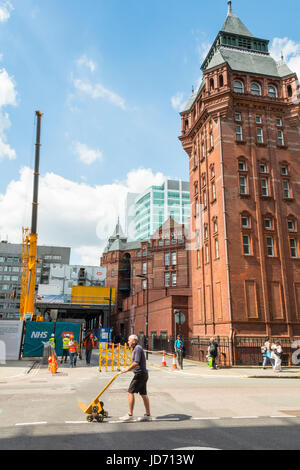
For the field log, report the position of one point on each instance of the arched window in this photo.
(272, 91)
(238, 86)
(255, 89)
(290, 91)
(221, 81)
(212, 84)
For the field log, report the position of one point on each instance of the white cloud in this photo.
(70, 213)
(5, 10)
(8, 97)
(98, 91)
(290, 51)
(84, 61)
(177, 101)
(87, 155)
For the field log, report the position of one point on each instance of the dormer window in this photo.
(272, 91)
(255, 89)
(238, 86)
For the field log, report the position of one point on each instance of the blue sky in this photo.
(109, 77)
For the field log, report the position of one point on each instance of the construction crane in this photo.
(29, 243)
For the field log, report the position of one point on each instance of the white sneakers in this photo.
(127, 418)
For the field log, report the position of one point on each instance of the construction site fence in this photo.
(114, 356)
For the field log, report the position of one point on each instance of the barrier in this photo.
(114, 356)
(163, 362)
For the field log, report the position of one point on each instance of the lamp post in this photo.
(142, 276)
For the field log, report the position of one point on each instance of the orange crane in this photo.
(29, 245)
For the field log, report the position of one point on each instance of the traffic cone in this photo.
(163, 362)
(174, 363)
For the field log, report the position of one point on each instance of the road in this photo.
(191, 409)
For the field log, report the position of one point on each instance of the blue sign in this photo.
(36, 334)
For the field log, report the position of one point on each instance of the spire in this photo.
(229, 7)
(234, 25)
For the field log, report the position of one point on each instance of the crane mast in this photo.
(29, 246)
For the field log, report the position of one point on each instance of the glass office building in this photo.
(153, 207)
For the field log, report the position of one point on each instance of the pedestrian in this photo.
(52, 344)
(267, 353)
(89, 344)
(73, 350)
(178, 347)
(65, 354)
(139, 381)
(213, 352)
(278, 356)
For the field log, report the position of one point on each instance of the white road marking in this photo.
(205, 419)
(245, 417)
(31, 424)
(75, 422)
(284, 416)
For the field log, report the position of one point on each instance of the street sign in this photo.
(179, 318)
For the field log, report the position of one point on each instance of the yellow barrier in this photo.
(114, 356)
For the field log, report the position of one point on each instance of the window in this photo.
(293, 248)
(243, 185)
(290, 91)
(198, 259)
(217, 248)
(174, 279)
(272, 91)
(246, 245)
(284, 170)
(239, 133)
(167, 259)
(238, 86)
(213, 190)
(215, 226)
(167, 279)
(255, 89)
(258, 119)
(263, 168)
(260, 135)
(270, 247)
(242, 165)
(211, 141)
(286, 190)
(204, 199)
(205, 231)
(291, 225)
(112, 273)
(280, 138)
(144, 271)
(144, 284)
(268, 224)
(221, 81)
(278, 122)
(206, 254)
(238, 117)
(212, 84)
(174, 258)
(264, 187)
(245, 221)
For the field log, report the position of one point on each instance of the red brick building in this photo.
(165, 264)
(241, 131)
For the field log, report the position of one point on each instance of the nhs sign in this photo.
(39, 335)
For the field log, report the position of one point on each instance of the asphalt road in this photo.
(40, 412)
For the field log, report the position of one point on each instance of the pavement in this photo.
(13, 370)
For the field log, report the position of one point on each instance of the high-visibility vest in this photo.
(66, 343)
(52, 341)
(73, 348)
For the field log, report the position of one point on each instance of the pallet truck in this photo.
(95, 410)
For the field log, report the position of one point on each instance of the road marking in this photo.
(75, 422)
(205, 419)
(284, 416)
(31, 424)
(245, 417)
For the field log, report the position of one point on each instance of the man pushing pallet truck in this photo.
(95, 410)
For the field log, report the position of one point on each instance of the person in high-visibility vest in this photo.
(65, 354)
(52, 340)
(73, 350)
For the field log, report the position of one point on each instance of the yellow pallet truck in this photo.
(95, 410)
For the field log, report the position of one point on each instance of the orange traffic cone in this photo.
(174, 362)
(163, 362)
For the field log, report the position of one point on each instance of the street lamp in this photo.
(142, 276)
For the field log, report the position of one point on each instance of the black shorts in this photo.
(139, 383)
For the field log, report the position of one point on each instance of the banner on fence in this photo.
(36, 334)
(10, 340)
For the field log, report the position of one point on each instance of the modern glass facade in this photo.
(157, 204)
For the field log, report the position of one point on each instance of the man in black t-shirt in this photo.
(139, 381)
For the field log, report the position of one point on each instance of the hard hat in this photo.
(52, 335)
